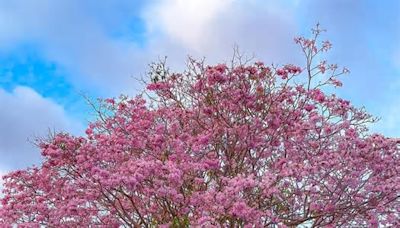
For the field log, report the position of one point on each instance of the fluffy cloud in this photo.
(79, 36)
(189, 23)
(71, 34)
(211, 29)
(25, 116)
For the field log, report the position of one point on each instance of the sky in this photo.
(54, 52)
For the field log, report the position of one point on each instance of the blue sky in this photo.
(51, 52)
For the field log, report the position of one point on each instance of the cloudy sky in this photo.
(51, 52)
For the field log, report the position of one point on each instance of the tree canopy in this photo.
(239, 144)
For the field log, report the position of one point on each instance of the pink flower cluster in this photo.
(217, 146)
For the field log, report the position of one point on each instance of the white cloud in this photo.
(73, 34)
(67, 32)
(212, 28)
(187, 22)
(26, 115)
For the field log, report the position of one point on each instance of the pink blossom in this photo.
(217, 146)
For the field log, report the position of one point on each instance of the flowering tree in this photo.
(236, 145)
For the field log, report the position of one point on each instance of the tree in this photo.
(238, 145)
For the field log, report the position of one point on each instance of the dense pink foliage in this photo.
(240, 146)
